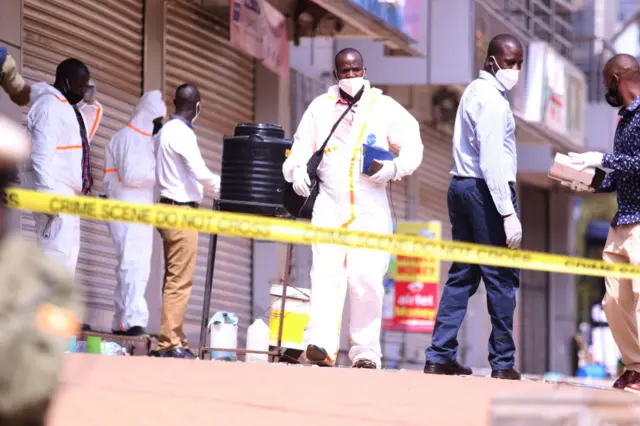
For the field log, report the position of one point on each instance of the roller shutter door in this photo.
(108, 37)
(197, 51)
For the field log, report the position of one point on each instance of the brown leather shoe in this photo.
(628, 377)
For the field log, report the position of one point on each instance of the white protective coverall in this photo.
(129, 175)
(349, 199)
(55, 166)
(91, 111)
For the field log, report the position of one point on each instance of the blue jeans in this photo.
(475, 219)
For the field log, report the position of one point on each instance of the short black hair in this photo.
(187, 95)
(346, 51)
(496, 45)
(70, 68)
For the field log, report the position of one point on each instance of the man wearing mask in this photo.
(352, 200)
(59, 161)
(91, 111)
(130, 175)
(483, 209)
(622, 81)
(181, 173)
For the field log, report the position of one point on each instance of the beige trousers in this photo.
(180, 254)
(620, 302)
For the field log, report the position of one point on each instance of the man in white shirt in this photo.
(483, 209)
(59, 162)
(181, 175)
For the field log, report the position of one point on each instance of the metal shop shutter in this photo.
(198, 51)
(108, 37)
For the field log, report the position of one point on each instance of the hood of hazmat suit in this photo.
(91, 111)
(129, 168)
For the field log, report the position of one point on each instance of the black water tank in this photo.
(252, 168)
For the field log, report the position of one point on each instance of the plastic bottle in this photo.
(258, 340)
(224, 335)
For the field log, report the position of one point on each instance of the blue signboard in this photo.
(403, 15)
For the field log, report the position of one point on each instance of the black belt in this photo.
(511, 183)
(165, 200)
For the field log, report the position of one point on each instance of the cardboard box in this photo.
(563, 171)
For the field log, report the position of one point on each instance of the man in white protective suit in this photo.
(59, 161)
(130, 175)
(349, 199)
(91, 110)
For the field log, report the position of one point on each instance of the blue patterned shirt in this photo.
(625, 166)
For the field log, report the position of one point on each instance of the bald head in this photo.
(349, 63)
(618, 65)
(187, 101)
(502, 42)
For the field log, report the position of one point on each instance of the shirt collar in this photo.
(634, 105)
(491, 79)
(177, 117)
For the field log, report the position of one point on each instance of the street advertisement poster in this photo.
(410, 300)
(403, 15)
(259, 29)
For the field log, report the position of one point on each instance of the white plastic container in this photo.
(258, 340)
(296, 316)
(223, 334)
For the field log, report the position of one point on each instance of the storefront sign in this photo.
(555, 92)
(259, 29)
(403, 15)
(411, 286)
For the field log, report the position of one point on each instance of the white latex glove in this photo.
(215, 186)
(578, 186)
(301, 182)
(386, 173)
(513, 231)
(52, 228)
(588, 159)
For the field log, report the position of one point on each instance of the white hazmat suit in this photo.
(129, 175)
(349, 199)
(55, 166)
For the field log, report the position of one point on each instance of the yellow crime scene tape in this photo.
(291, 231)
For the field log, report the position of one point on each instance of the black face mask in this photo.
(157, 125)
(71, 96)
(612, 97)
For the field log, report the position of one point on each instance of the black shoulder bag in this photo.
(301, 207)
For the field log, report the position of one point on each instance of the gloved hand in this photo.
(52, 227)
(587, 159)
(578, 187)
(513, 231)
(386, 173)
(215, 185)
(301, 182)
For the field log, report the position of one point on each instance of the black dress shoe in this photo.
(452, 368)
(509, 374)
(318, 356)
(174, 353)
(365, 363)
(134, 331)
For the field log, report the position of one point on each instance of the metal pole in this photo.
(208, 286)
(287, 277)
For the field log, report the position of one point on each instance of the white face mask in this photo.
(351, 86)
(197, 112)
(508, 78)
